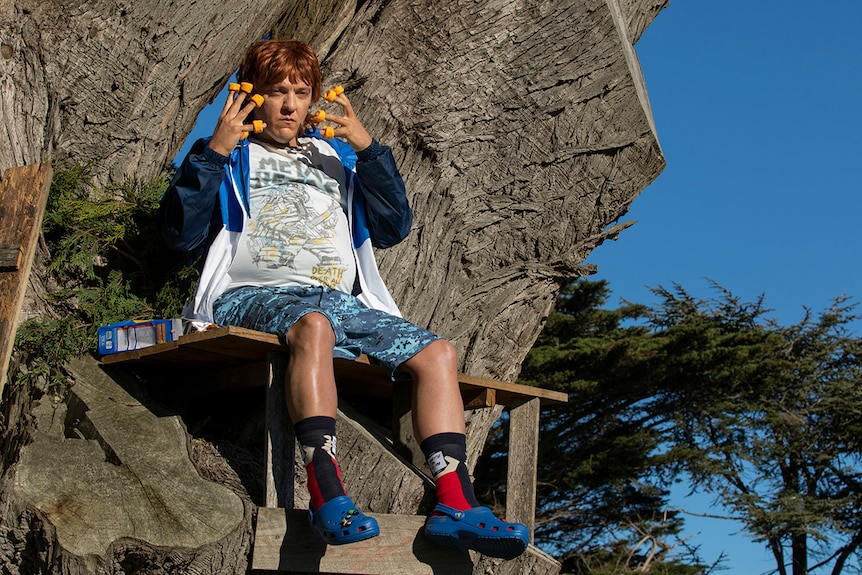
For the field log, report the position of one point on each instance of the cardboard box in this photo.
(132, 334)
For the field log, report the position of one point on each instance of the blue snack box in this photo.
(134, 334)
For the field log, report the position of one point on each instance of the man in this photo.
(287, 221)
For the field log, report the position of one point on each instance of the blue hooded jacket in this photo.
(207, 204)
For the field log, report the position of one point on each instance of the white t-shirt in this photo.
(297, 233)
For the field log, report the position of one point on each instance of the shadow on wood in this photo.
(23, 196)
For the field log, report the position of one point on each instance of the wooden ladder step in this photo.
(284, 541)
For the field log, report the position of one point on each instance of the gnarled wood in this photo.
(523, 132)
(522, 128)
(106, 468)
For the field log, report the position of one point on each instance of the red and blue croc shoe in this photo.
(477, 529)
(338, 522)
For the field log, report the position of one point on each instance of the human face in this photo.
(284, 109)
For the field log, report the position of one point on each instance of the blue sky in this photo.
(757, 107)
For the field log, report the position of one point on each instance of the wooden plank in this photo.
(23, 196)
(280, 439)
(10, 257)
(523, 462)
(479, 398)
(506, 391)
(284, 541)
(229, 345)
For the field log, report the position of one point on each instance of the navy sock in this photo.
(446, 454)
(316, 435)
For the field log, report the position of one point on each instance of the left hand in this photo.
(349, 127)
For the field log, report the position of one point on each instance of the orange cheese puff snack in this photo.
(327, 131)
(319, 116)
(244, 136)
(330, 94)
(233, 87)
(258, 126)
(246, 87)
(257, 99)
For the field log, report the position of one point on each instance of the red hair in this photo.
(271, 61)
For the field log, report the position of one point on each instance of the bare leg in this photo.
(312, 401)
(458, 520)
(310, 387)
(437, 403)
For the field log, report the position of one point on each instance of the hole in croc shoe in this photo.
(345, 532)
(510, 528)
(495, 528)
(361, 529)
(481, 526)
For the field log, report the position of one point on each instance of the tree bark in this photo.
(107, 480)
(523, 132)
(522, 128)
(116, 84)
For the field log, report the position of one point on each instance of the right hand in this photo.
(230, 125)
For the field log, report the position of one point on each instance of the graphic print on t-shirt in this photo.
(297, 232)
(288, 224)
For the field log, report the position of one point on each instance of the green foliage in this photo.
(108, 263)
(45, 344)
(767, 418)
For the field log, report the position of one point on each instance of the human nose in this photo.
(288, 103)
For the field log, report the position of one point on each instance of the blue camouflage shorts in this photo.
(388, 339)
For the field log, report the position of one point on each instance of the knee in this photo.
(444, 351)
(440, 354)
(312, 330)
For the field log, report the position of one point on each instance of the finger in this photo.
(340, 120)
(237, 104)
(233, 89)
(228, 102)
(246, 110)
(344, 102)
(255, 127)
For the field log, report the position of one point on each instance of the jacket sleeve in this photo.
(188, 209)
(387, 210)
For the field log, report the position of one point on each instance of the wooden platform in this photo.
(231, 346)
(236, 357)
(284, 541)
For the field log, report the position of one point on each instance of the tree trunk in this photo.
(116, 84)
(523, 132)
(799, 554)
(522, 129)
(108, 479)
